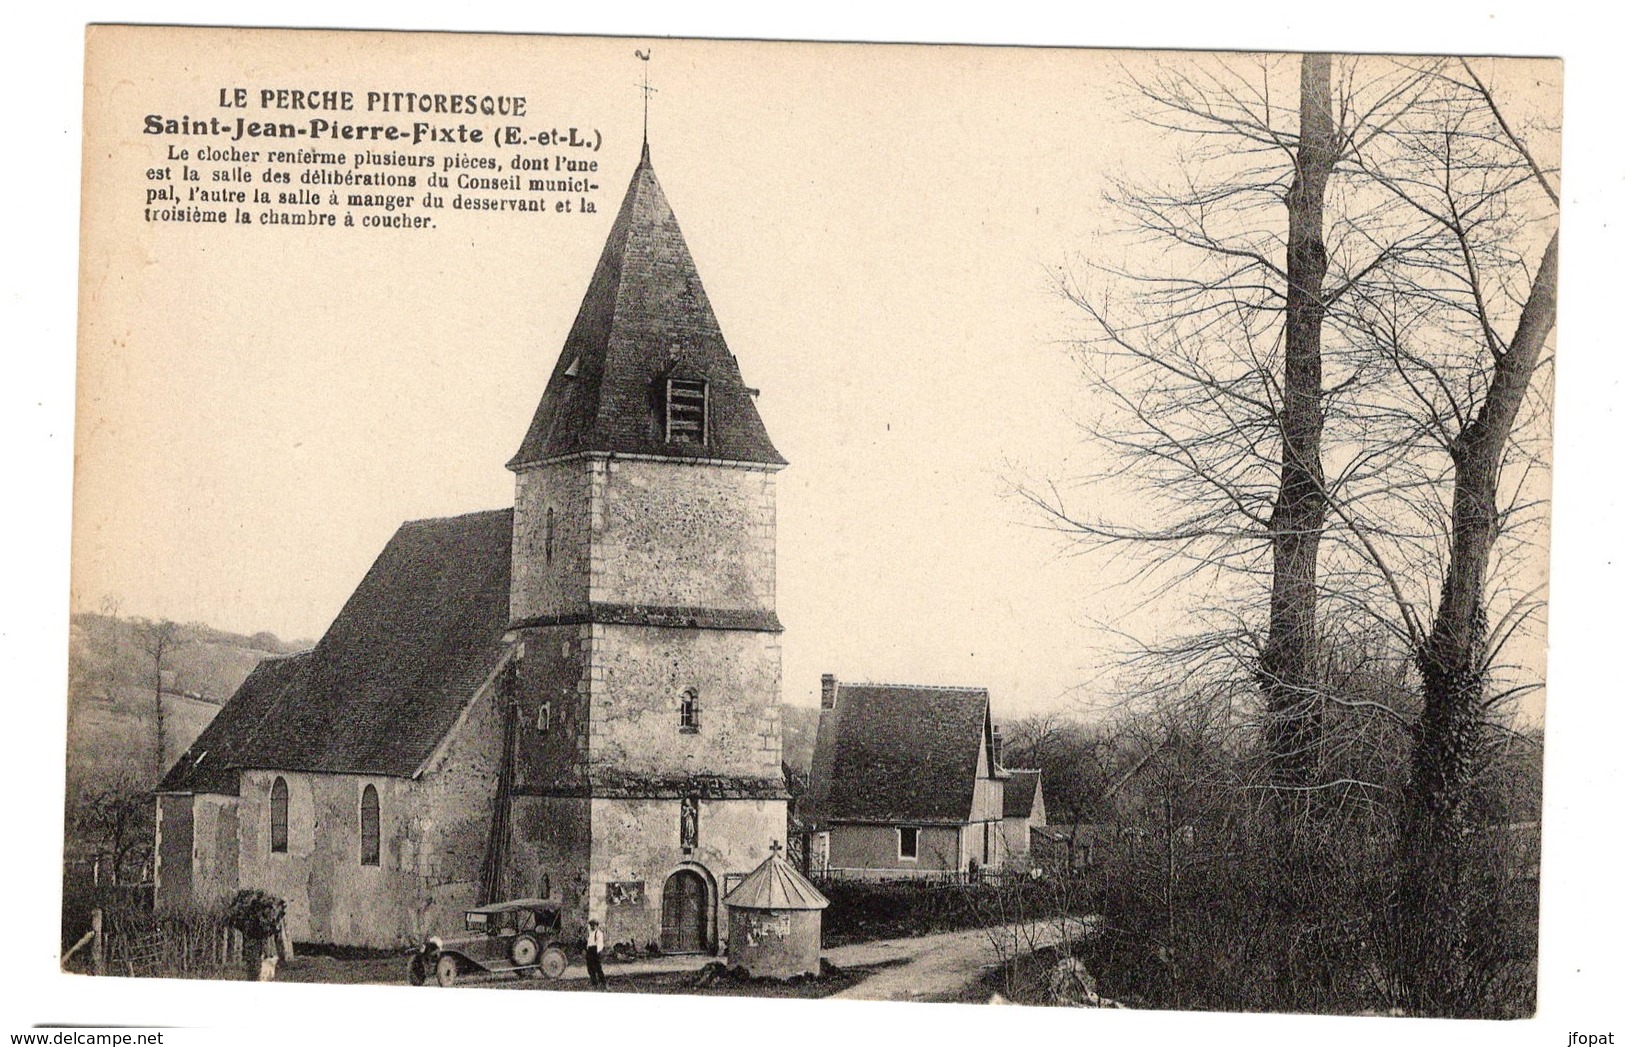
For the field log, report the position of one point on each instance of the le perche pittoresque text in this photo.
(370, 160)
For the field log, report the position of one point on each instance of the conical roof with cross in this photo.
(775, 884)
(645, 319)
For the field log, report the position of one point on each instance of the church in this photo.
(576, 698)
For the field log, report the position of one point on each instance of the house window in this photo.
(688, 827)
(908, 843)
(369, 826)
(688, 712)
(279, 816)
(544, 717)
(547, 536)
(687, 411)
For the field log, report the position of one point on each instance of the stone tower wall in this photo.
(640, 533)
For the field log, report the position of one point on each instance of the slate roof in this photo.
(645, 318)
(775, 885)
(209, 765)
(391, 676)
(1019, 790)
(895, 753)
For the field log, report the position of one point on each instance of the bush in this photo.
(255, 914)
(866, 910)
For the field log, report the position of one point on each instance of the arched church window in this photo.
(279, 816)
(369, 825)
(688, 712)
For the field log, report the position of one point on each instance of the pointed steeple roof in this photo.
(645, 319)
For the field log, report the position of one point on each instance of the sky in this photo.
(1580, 908)
(258, 414)
(261, 408)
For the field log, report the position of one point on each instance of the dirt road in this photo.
(937, 966)
(930, 967)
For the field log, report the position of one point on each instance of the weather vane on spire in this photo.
(647, 91)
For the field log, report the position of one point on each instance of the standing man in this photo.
(595, 951)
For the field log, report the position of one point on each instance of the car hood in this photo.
(459, 942)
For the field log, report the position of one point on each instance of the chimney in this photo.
(998, 747)
(828, 697)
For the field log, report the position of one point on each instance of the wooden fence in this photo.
(137, 944)
(924, 878)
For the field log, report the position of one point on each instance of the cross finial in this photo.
(775, 847)
(647, 91)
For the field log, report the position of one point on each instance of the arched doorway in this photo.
(685, 913)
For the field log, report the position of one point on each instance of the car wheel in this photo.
(553, 962)
(417, 971)
(446, 971)
(524, 950)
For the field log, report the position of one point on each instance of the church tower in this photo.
(645, 741)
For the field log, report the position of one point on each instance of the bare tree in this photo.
(1308, 497)
(1290, 666)
(159, 639)
(115, 822)
(1228, 365)
(1077, 761)
(1476, 183)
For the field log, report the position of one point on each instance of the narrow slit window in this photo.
(547, 538)
(688, 712)
(279, 816)
(688, 411)
(369, 826)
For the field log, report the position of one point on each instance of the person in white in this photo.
(595, 952)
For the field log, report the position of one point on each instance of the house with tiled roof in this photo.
(1023, 809)
(905, 782)
(575, 698)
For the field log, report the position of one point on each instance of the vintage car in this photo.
(519, 937)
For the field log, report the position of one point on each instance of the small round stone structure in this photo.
(775, 921)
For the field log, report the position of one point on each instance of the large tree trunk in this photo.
(1439, 886)
(1290, 667)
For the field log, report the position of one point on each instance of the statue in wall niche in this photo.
(690, 822)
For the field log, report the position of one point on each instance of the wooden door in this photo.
(684, 913)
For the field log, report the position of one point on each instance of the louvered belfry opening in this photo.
(687, 411)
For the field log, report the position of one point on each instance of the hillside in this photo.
(106, 655)
(112, 710)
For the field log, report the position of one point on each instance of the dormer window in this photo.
(688, 411)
